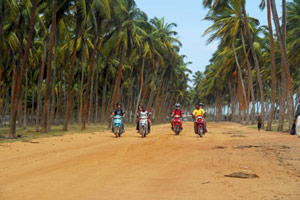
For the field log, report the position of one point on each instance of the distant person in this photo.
(259, 123)
(297, 118)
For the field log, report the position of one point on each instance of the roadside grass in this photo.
(274, 126)
(28, 134)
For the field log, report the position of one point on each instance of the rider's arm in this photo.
(194, 113)
(172, 115)
(112, 114)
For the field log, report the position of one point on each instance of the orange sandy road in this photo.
(161, 166)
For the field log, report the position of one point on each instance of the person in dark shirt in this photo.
(259, 123)
(119, 111)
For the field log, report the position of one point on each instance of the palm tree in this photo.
(273, 64)
(18, 84)
(282, 46)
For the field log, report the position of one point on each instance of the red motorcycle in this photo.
(199, 126)
(177, 124)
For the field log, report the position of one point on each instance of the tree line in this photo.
(256, 69)
(70, 61)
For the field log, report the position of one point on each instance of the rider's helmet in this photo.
(177, 105)
(200, 104)
(119, 103)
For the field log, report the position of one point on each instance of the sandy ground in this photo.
(161, 166)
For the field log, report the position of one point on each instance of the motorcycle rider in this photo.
(199, 111)
(140, 109)
(177, 111)
(144, 112)
(119, 111)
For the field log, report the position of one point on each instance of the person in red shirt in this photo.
(177, 111)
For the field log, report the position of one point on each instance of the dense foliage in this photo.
(256, 69)
(70, 61)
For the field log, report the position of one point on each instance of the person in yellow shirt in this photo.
(200, 111)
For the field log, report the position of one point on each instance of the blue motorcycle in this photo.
(117, 125)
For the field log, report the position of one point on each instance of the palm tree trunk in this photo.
(116, 94)
(250, 79)
(59, 98)
(241, 78)
(39, 93)
(158, 95)
(52, 107)
(256, 64)
(104, 98)
(91, 96)
(150, 101)
(91, 71)
(32, 105)
(141, 87)
(273, 67)
(81, 92)
(68, 105)
(145, 89)
(25, 101)
(49, 69)
(282, 101)
(281, 41)
(97, 94)
(18, 87)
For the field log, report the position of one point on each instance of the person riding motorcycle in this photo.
(142, 109)
(177, 111)
(119, 111)
(200, 111)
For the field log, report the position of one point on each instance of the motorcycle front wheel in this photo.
(117, 130)
(200, 131)
(177, 129)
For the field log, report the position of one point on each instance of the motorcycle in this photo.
(177, 124)
(199, 126)
(143, 124)
(298, 126)
(117, 125)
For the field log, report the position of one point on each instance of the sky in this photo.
(189, 15)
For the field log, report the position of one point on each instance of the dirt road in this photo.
(161, 166)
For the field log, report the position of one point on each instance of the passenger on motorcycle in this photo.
(140, 109)
(200, 111)
(119, 111)
(177, 111)
(141, 112)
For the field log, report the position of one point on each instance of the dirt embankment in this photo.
(161, 166)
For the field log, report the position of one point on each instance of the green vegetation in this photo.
(255, 70)
(65, 64)
(70, 61)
